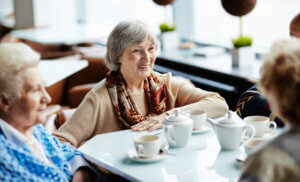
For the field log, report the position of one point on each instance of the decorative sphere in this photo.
(238, 7)
(163, 2)
(295, 26)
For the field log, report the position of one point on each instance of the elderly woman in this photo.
(133, 95)
(280, 82)
(27, 151)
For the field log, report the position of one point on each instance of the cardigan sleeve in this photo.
(187, 97)
(82, 123)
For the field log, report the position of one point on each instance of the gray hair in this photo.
(280, 79)
(123, 35)
(14, 57)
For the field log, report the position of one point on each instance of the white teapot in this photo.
(178, 129)
(232, 132)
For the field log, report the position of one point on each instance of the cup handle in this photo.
(140, 150)
(274, 126)
(246, 130)
(168, 132)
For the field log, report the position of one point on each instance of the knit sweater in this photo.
(19, 163)
(252, 102)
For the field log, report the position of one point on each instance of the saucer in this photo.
(267, 135)
(131, 154)
(203, 129)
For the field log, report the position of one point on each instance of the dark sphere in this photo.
(238, 7)
(295, 26)
(163, 2)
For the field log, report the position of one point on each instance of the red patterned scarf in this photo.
(125, 108)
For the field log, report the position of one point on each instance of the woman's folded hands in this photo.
(151, 123)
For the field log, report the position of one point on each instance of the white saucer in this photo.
(267, 135)
(131, 154)
(203, 129)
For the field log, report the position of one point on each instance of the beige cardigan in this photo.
(95, 114)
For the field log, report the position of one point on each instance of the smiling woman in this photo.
(133, 95)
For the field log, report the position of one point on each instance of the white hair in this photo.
(123, 35)
(14, 57)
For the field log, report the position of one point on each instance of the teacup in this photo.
(261, 124)
(252, 144)
(198, 117)
(147, 145)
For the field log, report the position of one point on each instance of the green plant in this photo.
(164, 27)
(242, 41)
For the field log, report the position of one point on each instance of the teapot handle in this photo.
(246, 130)
(168, 132)
(140, 150)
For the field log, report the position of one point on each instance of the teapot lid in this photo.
(177, 117)
(229, 120)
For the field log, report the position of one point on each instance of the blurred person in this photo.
(252, 102)
(27, 151)
(133, 96)
(280, 82)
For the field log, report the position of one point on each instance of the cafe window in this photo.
(110, 12)
(268, 21)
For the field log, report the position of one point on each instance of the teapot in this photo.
(178, 129)
(232, 132)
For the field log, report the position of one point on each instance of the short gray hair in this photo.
(123, 35)
(14, 57)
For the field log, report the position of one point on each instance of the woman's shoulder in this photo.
(98, 94)
(100, 87)
(278, 150)
(165, 76)
(277, 162)
(99, 90)
(41, 133)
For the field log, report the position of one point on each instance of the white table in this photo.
(200, 160)
(68, 35)
(55, 70)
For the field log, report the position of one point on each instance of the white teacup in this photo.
(147, 145)
(198, 117)
(261, 124)
(252, 144)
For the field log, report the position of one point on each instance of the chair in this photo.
(80, 83)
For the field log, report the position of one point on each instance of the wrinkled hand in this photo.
(151, 124)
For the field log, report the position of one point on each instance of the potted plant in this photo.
(169, 38)
(242, 53)
(164, 27)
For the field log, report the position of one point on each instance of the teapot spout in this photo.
(212, 122)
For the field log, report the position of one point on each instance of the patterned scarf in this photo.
(125, 108)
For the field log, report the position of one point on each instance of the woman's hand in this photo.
(151, 124)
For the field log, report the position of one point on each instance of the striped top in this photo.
(252, 102)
